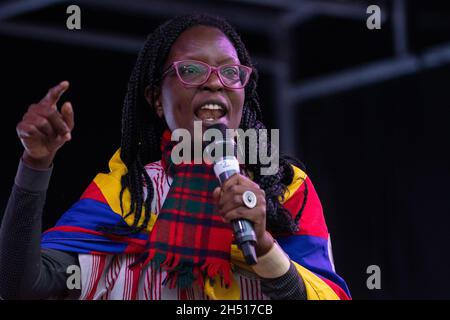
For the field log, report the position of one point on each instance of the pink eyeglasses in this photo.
(196, 73)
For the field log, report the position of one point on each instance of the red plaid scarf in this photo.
(189, 238)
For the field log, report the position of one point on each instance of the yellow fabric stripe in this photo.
(110, 187)
(316, 288)
(297, 181)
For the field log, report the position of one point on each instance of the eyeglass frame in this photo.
(211, 69)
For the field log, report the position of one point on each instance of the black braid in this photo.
(142, 128)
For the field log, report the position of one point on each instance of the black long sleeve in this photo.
(26, 271)
(289, 286)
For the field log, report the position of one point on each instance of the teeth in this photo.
(211, 107)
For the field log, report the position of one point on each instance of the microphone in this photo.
(224, 167)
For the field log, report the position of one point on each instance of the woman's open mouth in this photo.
(210, 112)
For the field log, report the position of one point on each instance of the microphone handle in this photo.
(243, 229)
(246, 239)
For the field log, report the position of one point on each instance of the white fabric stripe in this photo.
(146, 286)
(93, 273)
(128, 277)
(158, 182)
(125, 288)
(330, 253)
(91, 280)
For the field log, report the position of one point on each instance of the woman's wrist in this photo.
(273, 264)
(264, 244)
(37, 164)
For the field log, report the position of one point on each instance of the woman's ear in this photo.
(154, 96)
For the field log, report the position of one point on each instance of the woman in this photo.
(134, 232)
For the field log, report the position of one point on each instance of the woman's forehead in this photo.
(203, 43)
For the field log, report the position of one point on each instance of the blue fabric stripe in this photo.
(90, 214)
(312, 253)
(80, 242)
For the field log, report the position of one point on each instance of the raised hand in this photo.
(44, 129)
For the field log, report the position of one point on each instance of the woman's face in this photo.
(181, 105)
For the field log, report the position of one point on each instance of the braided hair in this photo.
(142, 128)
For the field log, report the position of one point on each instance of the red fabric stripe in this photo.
(183, 294)
(93, 192)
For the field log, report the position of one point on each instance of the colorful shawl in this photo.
(78, 231)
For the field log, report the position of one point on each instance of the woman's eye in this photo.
(230, 72)
(191, 69)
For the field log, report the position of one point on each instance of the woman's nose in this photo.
(213, 82)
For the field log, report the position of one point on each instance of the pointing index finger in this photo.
(55, 93)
